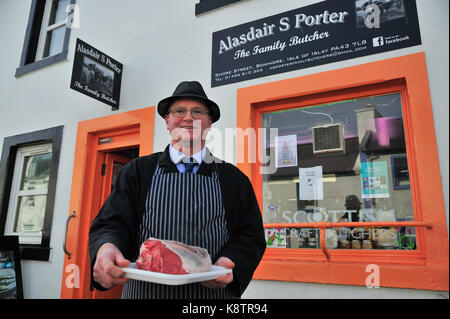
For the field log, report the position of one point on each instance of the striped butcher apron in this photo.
(188, 208)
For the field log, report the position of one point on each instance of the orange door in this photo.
(98, 141)
(111, 168)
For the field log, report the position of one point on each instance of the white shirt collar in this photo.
(176, 156)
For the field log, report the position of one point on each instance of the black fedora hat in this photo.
(189, 89)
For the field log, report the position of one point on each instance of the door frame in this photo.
(108, 158)
(124, 130)
(108, 163)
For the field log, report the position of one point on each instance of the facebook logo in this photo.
(377, 42)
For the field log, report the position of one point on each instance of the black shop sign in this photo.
(321, 33)
(96, 74)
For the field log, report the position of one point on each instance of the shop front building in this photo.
(337, 112)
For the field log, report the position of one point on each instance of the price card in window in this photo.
(311, 183)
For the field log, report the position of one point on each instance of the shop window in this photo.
(347, 176)
(28, 170)
(333, 164)
(47, 36)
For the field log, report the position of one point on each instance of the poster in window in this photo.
(10, 270)
(311, 183)
(374, 180)
(286, 151)
(275, 237)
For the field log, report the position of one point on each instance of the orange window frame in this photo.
(424, 268)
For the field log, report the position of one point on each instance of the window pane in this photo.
(336, 163)
(36, 172)
(58, 12)
(55, 41)
(30, 213)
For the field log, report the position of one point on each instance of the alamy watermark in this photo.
(73, 277)
(373, 279)
(372, 19)
(73, 17)
(231, 144)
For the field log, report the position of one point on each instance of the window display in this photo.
(350, 160)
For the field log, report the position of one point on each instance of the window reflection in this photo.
(55, 41)
(32, 196)
(30, 213)
(58, 12)
(36, 172)
(336, 163)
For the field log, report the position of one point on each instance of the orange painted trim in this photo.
(128, 129)
(121, 139)
(323, 225)
(425, 268)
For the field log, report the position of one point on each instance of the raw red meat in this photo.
(172, 257)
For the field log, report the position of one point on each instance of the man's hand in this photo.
(106, 269)
(223, 281)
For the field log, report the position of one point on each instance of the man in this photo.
(200, 201)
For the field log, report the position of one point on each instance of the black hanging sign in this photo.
(321, 33)
(96, 74)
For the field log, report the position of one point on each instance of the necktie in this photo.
(189, 164)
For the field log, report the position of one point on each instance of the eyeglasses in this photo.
(196, 114)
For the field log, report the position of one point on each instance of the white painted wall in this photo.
(263, 289)
(161, 43)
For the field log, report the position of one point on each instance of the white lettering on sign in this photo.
(91, 52)
(252, 35)
(300, 20)
(317, 216)
(318, 19)
(101, 57)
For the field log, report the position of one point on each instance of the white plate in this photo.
(133, 272)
